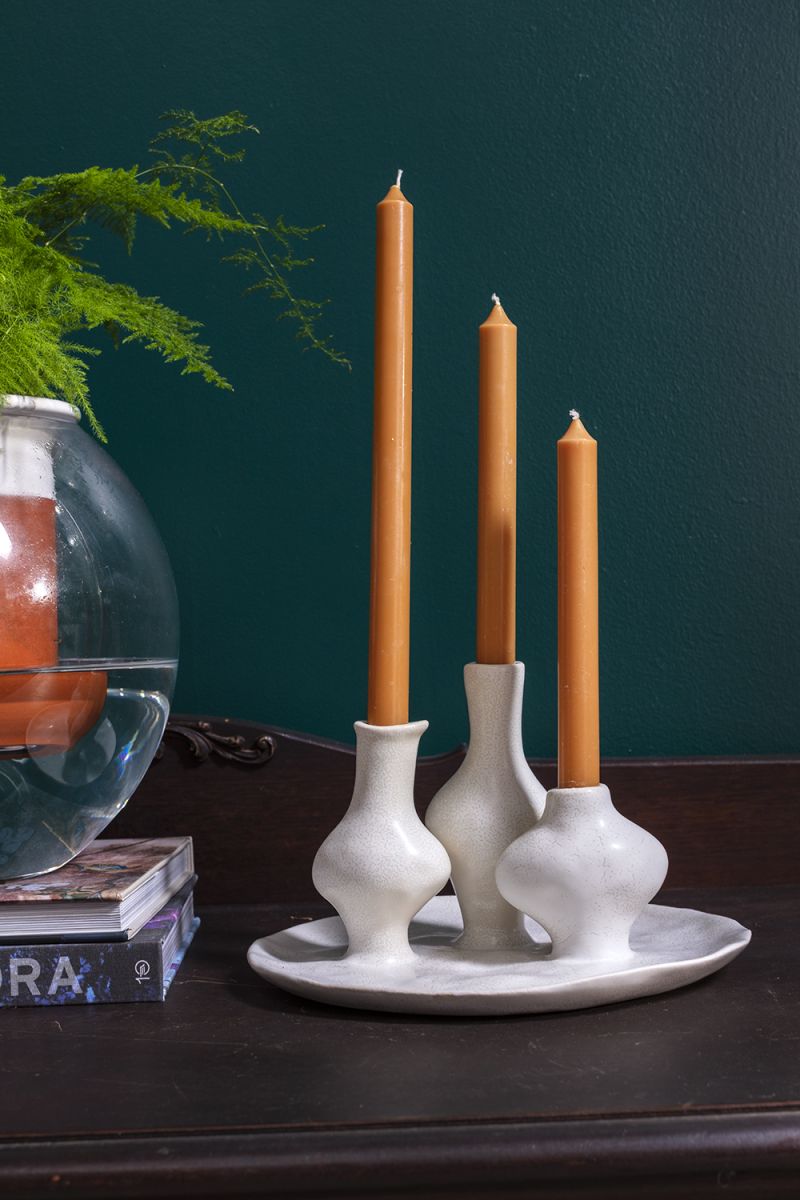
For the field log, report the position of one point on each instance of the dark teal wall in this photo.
(627, 176)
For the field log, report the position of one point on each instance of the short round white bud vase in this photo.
(380, 864)
(491, 799)
(584, 872)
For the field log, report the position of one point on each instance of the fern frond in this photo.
(146, 320)
(45, 296)
(204, 135)
(199, 142)
(113, 199)
(49, 292)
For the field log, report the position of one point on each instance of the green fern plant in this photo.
(51, 294)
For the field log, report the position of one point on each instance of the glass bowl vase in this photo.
(88, 637)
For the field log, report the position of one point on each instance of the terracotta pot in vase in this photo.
(88, 637)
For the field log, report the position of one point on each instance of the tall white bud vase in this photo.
(585, 873)
(492, 799)
(380, 864)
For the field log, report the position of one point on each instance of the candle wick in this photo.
(573, 412)
(496, 299)
(399, 177)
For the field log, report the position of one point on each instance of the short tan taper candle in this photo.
(578, 677)
(391, 464)
(497, 488)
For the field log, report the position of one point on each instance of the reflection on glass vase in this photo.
(88, 639)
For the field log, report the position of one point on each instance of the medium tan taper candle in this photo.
(497, 488)
(391, 464)
(578, 676)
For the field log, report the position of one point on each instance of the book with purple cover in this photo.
(110, 890)
(141, 968)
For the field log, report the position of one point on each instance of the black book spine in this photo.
(101, 972)
(86, 973)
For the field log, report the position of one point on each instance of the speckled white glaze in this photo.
(585, 873)
(671, 947)
(492, 799)
(380, 864)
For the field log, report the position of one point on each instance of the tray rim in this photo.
(381, 994)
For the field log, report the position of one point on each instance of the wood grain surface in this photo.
(233, 1088)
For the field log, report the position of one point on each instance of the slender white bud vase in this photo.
(380, 864)
(492, 799)
(585, 873)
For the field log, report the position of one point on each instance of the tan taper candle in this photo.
(391, 464)
(497, 488)
(578, 676)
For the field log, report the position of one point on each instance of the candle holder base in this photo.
(669, 947)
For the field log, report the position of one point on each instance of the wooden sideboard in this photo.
(232, 1088)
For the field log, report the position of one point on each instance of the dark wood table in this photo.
(233, 1088)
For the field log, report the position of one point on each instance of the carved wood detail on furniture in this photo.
(204, 740)
(258, 827)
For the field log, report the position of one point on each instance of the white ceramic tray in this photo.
(671, 947)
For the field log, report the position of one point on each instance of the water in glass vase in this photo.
(75, 742)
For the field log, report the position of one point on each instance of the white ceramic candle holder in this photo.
(380, 864)
(492, 799)
(585, 873)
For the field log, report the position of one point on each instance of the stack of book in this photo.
(112, 925)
